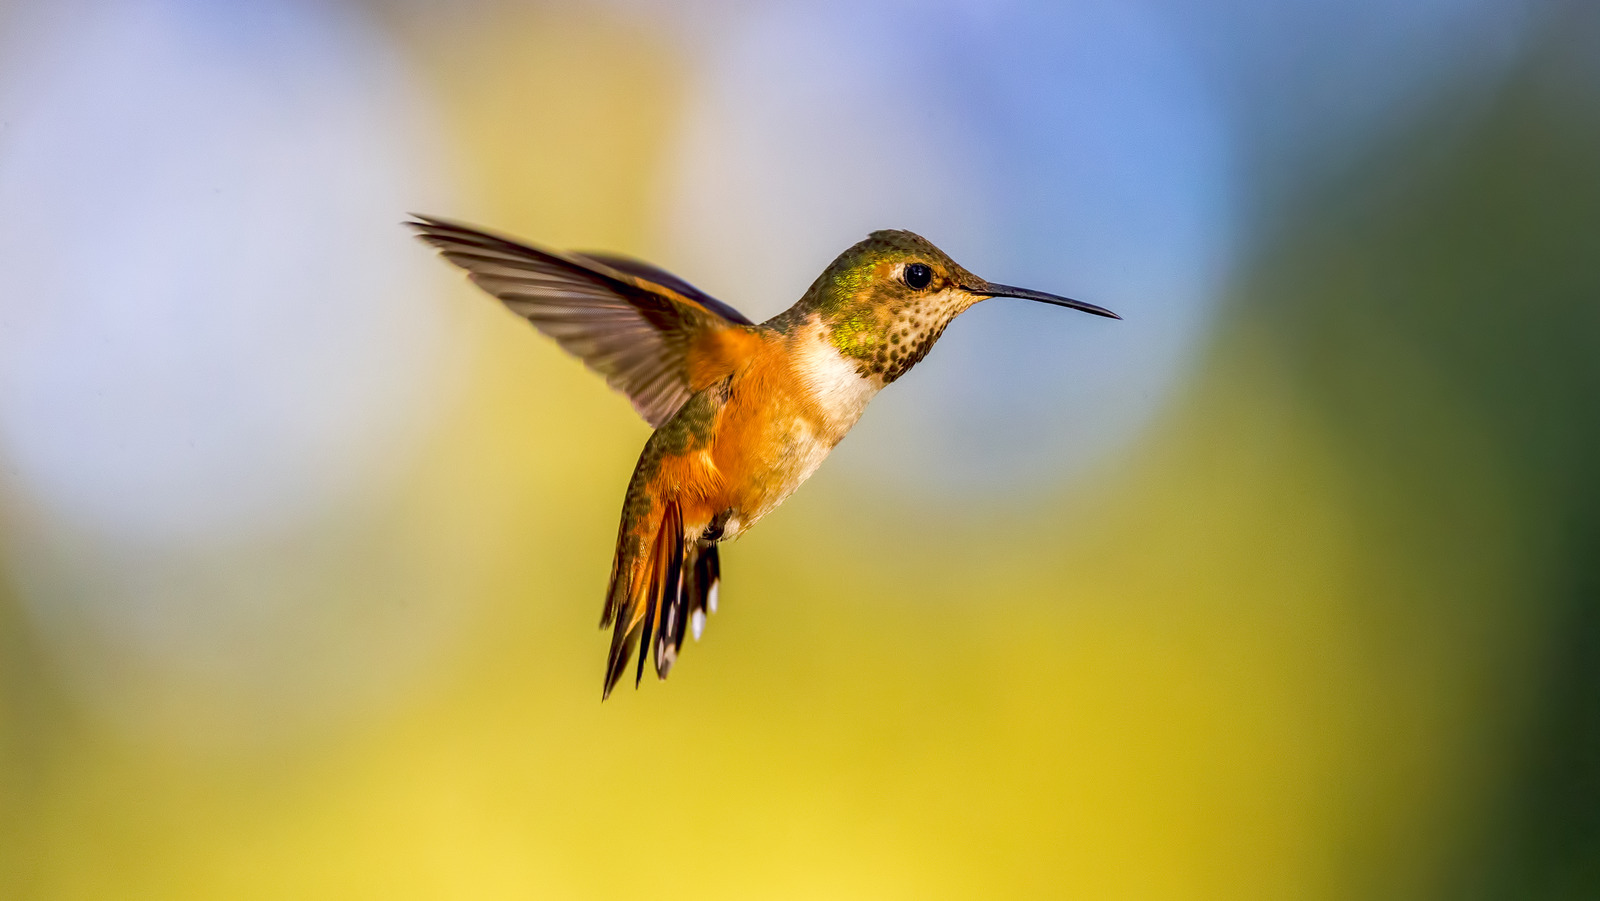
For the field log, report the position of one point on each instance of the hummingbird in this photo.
(743, 412)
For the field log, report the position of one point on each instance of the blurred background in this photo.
(1287, 586)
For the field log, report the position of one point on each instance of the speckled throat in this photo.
(904, 336)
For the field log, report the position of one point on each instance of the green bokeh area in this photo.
(1442, 313)
(1331, 629)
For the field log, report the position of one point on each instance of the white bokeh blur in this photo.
(213, 317)
(213, 330)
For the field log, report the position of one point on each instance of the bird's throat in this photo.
(832, 380)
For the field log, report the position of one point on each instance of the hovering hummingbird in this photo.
(743, 412)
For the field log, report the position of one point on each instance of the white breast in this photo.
(833, 382)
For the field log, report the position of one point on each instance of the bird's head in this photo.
(885, 301)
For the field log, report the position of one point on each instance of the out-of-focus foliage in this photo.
(1326, 629)
(1441, 310)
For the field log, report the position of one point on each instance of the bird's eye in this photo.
(917, 276)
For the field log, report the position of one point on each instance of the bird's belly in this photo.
(792, 452)
(784, 415)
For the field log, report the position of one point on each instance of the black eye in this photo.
(917, 276)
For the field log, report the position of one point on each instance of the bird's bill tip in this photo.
(993, 290)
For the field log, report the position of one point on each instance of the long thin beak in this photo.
(990, 289)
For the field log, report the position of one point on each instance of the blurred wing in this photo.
(629, 321)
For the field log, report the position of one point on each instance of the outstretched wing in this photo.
(629, 321)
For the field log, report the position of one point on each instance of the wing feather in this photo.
(632, 323)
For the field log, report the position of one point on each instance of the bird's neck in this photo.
(833, 380)
(882, 341)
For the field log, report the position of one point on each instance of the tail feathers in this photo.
(623, 641)
(652, 607)
(635, 600)
(685, 610)
(666, 585)
(674, 615)
(703, 600)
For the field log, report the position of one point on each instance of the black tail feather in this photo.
(675, 614)
(623, 641)
(707, 576)
(686, 608)
(650, 606)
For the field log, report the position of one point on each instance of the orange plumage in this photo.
(743, 413)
